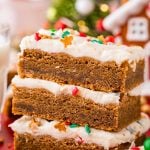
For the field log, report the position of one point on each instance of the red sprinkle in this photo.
(82, 34)
(75, 91)
(67, 122)
(79, 140)
(135, 148)
(60, 25)
(37, 37)
(110, 39)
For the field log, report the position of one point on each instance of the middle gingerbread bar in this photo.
(53, 101)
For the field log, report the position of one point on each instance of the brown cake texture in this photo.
(82, 71)
(45, 142)
(42, 103)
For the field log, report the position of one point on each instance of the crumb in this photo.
(34, 124)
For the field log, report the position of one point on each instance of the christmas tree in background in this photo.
(83, 15)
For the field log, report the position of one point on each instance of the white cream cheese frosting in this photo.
(99, 137)
(83, 47)
(58, 89)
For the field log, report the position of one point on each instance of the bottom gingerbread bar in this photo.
(46, 142)
(39, 134)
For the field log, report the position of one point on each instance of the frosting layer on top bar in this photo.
(82, 47)
(99, 137)
(58, 89)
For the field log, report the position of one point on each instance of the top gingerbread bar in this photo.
(66, 57)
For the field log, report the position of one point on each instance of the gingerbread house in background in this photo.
(130, 24)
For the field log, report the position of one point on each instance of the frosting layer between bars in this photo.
(83, 47)
(99, 137)
(58, 89)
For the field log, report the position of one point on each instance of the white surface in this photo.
(99, 137)
(80, 47)
(57, 89)
(120, 16)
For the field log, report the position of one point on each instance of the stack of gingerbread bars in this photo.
(74, 93)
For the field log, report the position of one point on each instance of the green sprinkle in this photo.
(52, 33)
(74, 125)
(65, 33)
(147, 144)
(87, 129)
(97, 41)
(52, 30)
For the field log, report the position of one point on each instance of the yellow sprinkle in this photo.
(101, 37)
(60, 126)
(67, 40)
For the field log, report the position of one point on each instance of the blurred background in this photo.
(27, 16)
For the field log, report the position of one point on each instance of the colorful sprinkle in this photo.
(45, 37)
(60, 126)
(65, 33)
(101, 38)
(37, 36)
(87, 129)
(67, 122)
(79, 140)
(75, 91)
(97, 41)
(67, 40)
(82, 34)
(110, 39)
(52, 32)
(147, 144)
(74, 125)
(60, 25)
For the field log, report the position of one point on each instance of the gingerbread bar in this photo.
(52, 101)
(41, 134)
(83, 61)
